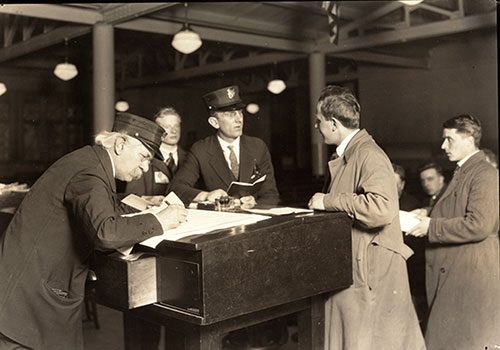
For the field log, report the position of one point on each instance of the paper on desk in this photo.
(407, 220)
(202, 221)
(279, 211)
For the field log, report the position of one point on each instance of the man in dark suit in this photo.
(226, 156)
(462, 251)
(156, 181)
(69, 212)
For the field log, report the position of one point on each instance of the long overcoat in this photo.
(376, 312)
(71, 210)
(462, 261)
(206, 163)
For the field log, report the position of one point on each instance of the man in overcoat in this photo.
(462, 253)
(156, 181)
(226, 156)
(70, 211)
(376, 312)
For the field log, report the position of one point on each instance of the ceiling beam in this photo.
(378, 58)
(42, 41)
(424, 31)
(235, 64)
(219, 35)
(128, 11)
(53, 12)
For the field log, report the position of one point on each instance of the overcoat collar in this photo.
(103, 157)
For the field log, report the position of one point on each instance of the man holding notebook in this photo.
(226, 156)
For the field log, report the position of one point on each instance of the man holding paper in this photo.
(376, 312)
(462, 253)
(226, 156)
(69, 212)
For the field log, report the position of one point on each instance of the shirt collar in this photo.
(112, 163)
(460, 163)
(166, 152)
(224, 144)
(341, 148)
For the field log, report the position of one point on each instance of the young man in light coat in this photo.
(376, 312)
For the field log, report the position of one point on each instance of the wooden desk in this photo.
(214, 283)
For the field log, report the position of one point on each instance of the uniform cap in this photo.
(225, 99)
(143, 129)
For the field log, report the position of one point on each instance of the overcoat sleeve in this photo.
(480, 218)
(372, 204)
(93, 210)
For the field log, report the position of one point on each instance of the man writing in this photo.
(69, 212)
(376, 312)
(225, 157)
(462, 254)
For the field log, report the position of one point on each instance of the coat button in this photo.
(442, 270)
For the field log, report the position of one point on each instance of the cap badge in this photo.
(231, 93)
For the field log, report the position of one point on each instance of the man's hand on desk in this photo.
(209, 196)
(316, 201)
(172, 216)
(248, 202)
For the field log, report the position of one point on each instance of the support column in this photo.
(316, 84)
(103, 77)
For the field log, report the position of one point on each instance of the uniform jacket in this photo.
(71, 210)
(376, 312)
(462, 261)
(147, 185)
(206, 162)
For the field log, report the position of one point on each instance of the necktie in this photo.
(234, 162)
(171, 163)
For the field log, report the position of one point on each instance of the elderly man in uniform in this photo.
(70, 211)
(226, 156)
(462, 253)
(156, 181)
(376, 312)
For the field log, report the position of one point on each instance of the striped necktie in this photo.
(235, 168)
(171, 163)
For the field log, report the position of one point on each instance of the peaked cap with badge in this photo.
(144, 130)
(225, 99)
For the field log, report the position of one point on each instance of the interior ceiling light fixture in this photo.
(3, 89)
(411, 2)
(253, 108)
(65, 71)
(122, 106)
(186, 40)
(276, 86)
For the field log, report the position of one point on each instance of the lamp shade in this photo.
(186, 40)
(122, 106)
(410, 2)
(3, 89)
(276, 86)
(65, 71)
(253, 108)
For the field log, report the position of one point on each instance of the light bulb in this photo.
(66, 71)
(411, 2)
(122, 106)
(276, 86)
(3, 89)
(186, 41)
(253, 108)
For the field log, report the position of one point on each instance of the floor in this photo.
(110, 334)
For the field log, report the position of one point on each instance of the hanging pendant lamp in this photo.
(186, 40)
(276, 85)
(65, 71)
(3, 89)
(411, 2)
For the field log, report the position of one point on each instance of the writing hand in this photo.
(172, 216)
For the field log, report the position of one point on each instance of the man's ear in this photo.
(214, 122)
(334, 124)
(120, 143)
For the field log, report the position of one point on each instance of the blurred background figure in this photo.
(407, 201)
(433, 184)
(491, 157)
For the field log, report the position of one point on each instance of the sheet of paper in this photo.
(279, 211)
(203, 221)
(137, 202)
(407, 220)
(172, 198)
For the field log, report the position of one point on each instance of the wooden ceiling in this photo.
(236, 35)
